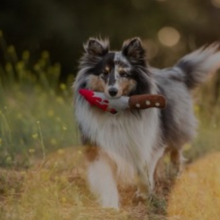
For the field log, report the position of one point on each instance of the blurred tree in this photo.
(62, 26)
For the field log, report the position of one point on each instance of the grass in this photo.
(36, 111)
(202, 199)
(42, 171)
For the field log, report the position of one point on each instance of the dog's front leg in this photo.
(146, 183)
(101, 178)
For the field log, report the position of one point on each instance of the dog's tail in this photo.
(197, 65)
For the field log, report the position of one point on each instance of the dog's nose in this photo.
(113, 91)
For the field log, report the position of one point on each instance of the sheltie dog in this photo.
(131, 142)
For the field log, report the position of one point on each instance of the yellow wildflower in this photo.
(35, 136)
(63, 86)
(53, 141)
(50, 113)
(31, 150)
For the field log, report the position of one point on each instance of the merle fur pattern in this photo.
(136, 142)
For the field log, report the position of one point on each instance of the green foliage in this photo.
(36, 112)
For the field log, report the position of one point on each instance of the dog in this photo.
(132, 142)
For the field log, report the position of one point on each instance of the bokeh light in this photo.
(216, 3)
(168, 36)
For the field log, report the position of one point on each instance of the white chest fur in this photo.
(124, 136)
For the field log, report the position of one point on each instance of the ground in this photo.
(56, 188)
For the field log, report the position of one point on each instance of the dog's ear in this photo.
(134, 50)
(96, 47)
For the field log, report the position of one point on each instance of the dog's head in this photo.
(114, 73)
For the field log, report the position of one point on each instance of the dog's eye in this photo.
(106, 70)
(122, 73)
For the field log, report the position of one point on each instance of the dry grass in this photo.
(56, 189)
(196, 194)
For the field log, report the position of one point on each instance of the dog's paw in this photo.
(139, 197)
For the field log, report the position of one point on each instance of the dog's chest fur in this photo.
(124, 136)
